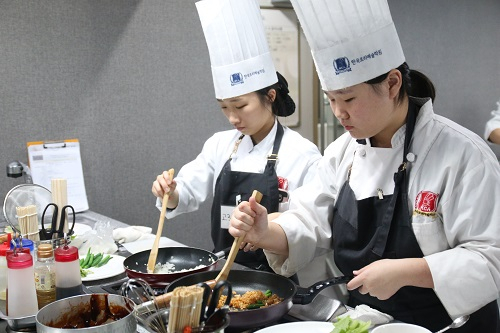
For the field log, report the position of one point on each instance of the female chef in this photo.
(259, 153)
(405, 198)
(492, 128)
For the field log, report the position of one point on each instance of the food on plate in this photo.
(348, 325)
(92, 260)
(253, 299)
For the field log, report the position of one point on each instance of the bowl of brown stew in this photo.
(90, 313)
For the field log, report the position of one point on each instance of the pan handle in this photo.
(222, 254)
(307, 295)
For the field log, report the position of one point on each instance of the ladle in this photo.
(154, 250)
(459, 322)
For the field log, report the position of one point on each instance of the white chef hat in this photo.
(352, 41)
(239, 54)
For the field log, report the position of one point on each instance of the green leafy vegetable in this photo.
(348, 325)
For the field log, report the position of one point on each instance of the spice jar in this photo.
(68, 279)
(21, 294)
(45, 275)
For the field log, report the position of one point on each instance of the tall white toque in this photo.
(352, 41)
(239, 54)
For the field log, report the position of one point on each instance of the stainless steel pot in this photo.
(72, 309)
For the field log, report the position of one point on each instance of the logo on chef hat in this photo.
(341, 65)
(236, 78)
(426, 203)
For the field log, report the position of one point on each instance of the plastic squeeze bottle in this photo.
(21, 294)
(3, 267)
(68, 279)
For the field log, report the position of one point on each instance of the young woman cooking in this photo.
(259, 153)
(405, 198)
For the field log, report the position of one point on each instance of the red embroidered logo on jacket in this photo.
(282, 189)
(426, 203)
(282, 183)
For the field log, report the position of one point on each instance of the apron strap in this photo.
(271, 159)
(410, 127)
(400, 184)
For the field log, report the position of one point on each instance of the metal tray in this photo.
(17, 324)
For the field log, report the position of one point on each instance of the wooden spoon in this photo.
(154, 250)
(163, 301)
(235, 248)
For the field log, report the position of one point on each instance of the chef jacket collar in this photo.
(398, 139)
(265, 146)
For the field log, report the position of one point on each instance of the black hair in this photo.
(283, 105)
(415, 83)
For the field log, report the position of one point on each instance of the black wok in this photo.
(245, 280)
(184, 258)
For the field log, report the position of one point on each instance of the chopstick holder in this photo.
(185, 308)
(27, 219)
(59, 189)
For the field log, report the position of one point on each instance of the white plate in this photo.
(300, 327)
(112, 268)
(80, 229)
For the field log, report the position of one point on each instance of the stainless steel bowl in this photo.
(73, 307)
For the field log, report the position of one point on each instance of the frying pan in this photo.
(182, 257)
(245, 280)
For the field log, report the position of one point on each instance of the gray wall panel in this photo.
(131, 80)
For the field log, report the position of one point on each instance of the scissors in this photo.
(47, 234)
(211, 297)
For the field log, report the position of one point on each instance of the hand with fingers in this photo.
(163, 184)
(249, 219)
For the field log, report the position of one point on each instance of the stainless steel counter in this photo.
(321, 309)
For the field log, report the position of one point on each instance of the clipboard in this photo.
(59, 159)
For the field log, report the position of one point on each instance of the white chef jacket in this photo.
(297, 159)
(493, 123)
(460, 241)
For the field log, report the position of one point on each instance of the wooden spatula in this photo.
(154, 250)
(235, 248)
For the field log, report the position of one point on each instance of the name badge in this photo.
(225, 216)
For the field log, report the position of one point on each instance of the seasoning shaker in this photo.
(21, 294)
(68, 279)
(45, 275)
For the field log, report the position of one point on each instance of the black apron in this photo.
(372, 229)
(231, 184)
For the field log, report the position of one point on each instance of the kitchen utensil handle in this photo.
(216, 293)
(163, 301)
(235, 248)
(307, 295)
(154, 250)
